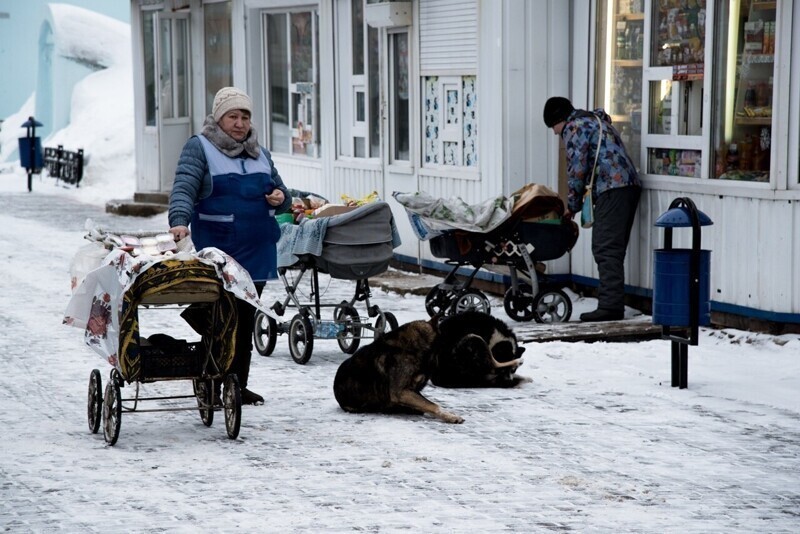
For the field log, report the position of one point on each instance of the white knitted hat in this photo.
(229, 98)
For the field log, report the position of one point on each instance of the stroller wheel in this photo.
(95, 401)
(265, 333)
(350, 338)
(437, 301)
(205, 400)
(471, 300)
(112, 412)
(519, 305)
(385, 323)
(552, 306)
(301, 339)
(232, 401)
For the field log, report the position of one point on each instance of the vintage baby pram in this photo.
(533, 232)
(349, 246)
(204, 285)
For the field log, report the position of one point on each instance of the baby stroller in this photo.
(107, 304)
(354, 245)
(532, 232)
(515, 249)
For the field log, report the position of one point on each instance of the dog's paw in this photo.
(448, 417)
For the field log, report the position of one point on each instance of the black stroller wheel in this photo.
(205, 400)
(437, 301)
(519, 305)
(265, 333)
(95, 401)
(112, 411)
(232, 401)
(471, 300)
(350, 338)
(552, 306)
(385, 323)
(301, 339)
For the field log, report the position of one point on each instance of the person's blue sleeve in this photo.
(276, 179)
(189, 176)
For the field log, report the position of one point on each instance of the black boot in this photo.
(248, 397)
(602, 315)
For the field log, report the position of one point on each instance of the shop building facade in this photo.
(446, 97)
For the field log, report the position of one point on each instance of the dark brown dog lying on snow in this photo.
(476, 350)
(387, 375)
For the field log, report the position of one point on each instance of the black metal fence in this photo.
(64, 164)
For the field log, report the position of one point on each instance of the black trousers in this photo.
(614, 212)
(244, 339)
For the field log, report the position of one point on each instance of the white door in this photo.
(173, 96)
(397, 153)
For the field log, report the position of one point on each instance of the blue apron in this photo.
(235, 217)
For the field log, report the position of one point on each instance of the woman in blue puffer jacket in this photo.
(228, 191)
(616, 192)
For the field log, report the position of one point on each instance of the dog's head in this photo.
(504, 346)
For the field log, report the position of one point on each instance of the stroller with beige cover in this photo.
(533, 232)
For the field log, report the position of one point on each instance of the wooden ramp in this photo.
(638, 328)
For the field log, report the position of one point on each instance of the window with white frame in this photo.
(291, 52)
(450, 136)
(358, 95)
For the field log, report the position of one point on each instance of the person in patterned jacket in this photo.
(616, 192)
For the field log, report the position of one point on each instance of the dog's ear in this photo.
(520, 350)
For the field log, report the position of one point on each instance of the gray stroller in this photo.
(350, 246)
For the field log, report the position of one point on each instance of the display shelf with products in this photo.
(744, 154)
(678, 32)
(618, 89)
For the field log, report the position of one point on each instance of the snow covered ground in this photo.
(598, 441)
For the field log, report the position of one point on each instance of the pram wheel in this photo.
(437, 301)
(112, 409)
(232, 401)
(95, 401)
(301, 339)
(385, 323)
(471, 300)
(205, 400)
(350, 337)
(519, 305)
(552, 306)
(265, 333)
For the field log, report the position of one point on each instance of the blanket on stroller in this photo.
(104, 304)
(308, 237)
(431, 217)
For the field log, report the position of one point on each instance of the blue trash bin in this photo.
(671, 277)
(37, 162)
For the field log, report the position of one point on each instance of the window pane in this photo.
(278, 78)
(359, 148)
(679, 34)
(399, 85)
(469, 90)
(357, 19)
(618, 84)
(742, 112)
(148, 35)
(165, 80)
(430, 95)
(360, 106)
(302, 48)
(661, 107)
(374, 95)
(218, 55)
(182, 67)
(674, 162)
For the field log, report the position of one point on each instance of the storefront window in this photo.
(292, 74)
(745, 56)
(218, 55)
(618, 84)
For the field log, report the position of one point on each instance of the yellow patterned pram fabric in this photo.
(219, 332)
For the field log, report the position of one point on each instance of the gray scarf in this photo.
(227, 144)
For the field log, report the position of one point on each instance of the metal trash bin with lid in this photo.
(30, 150)
(681, 288)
